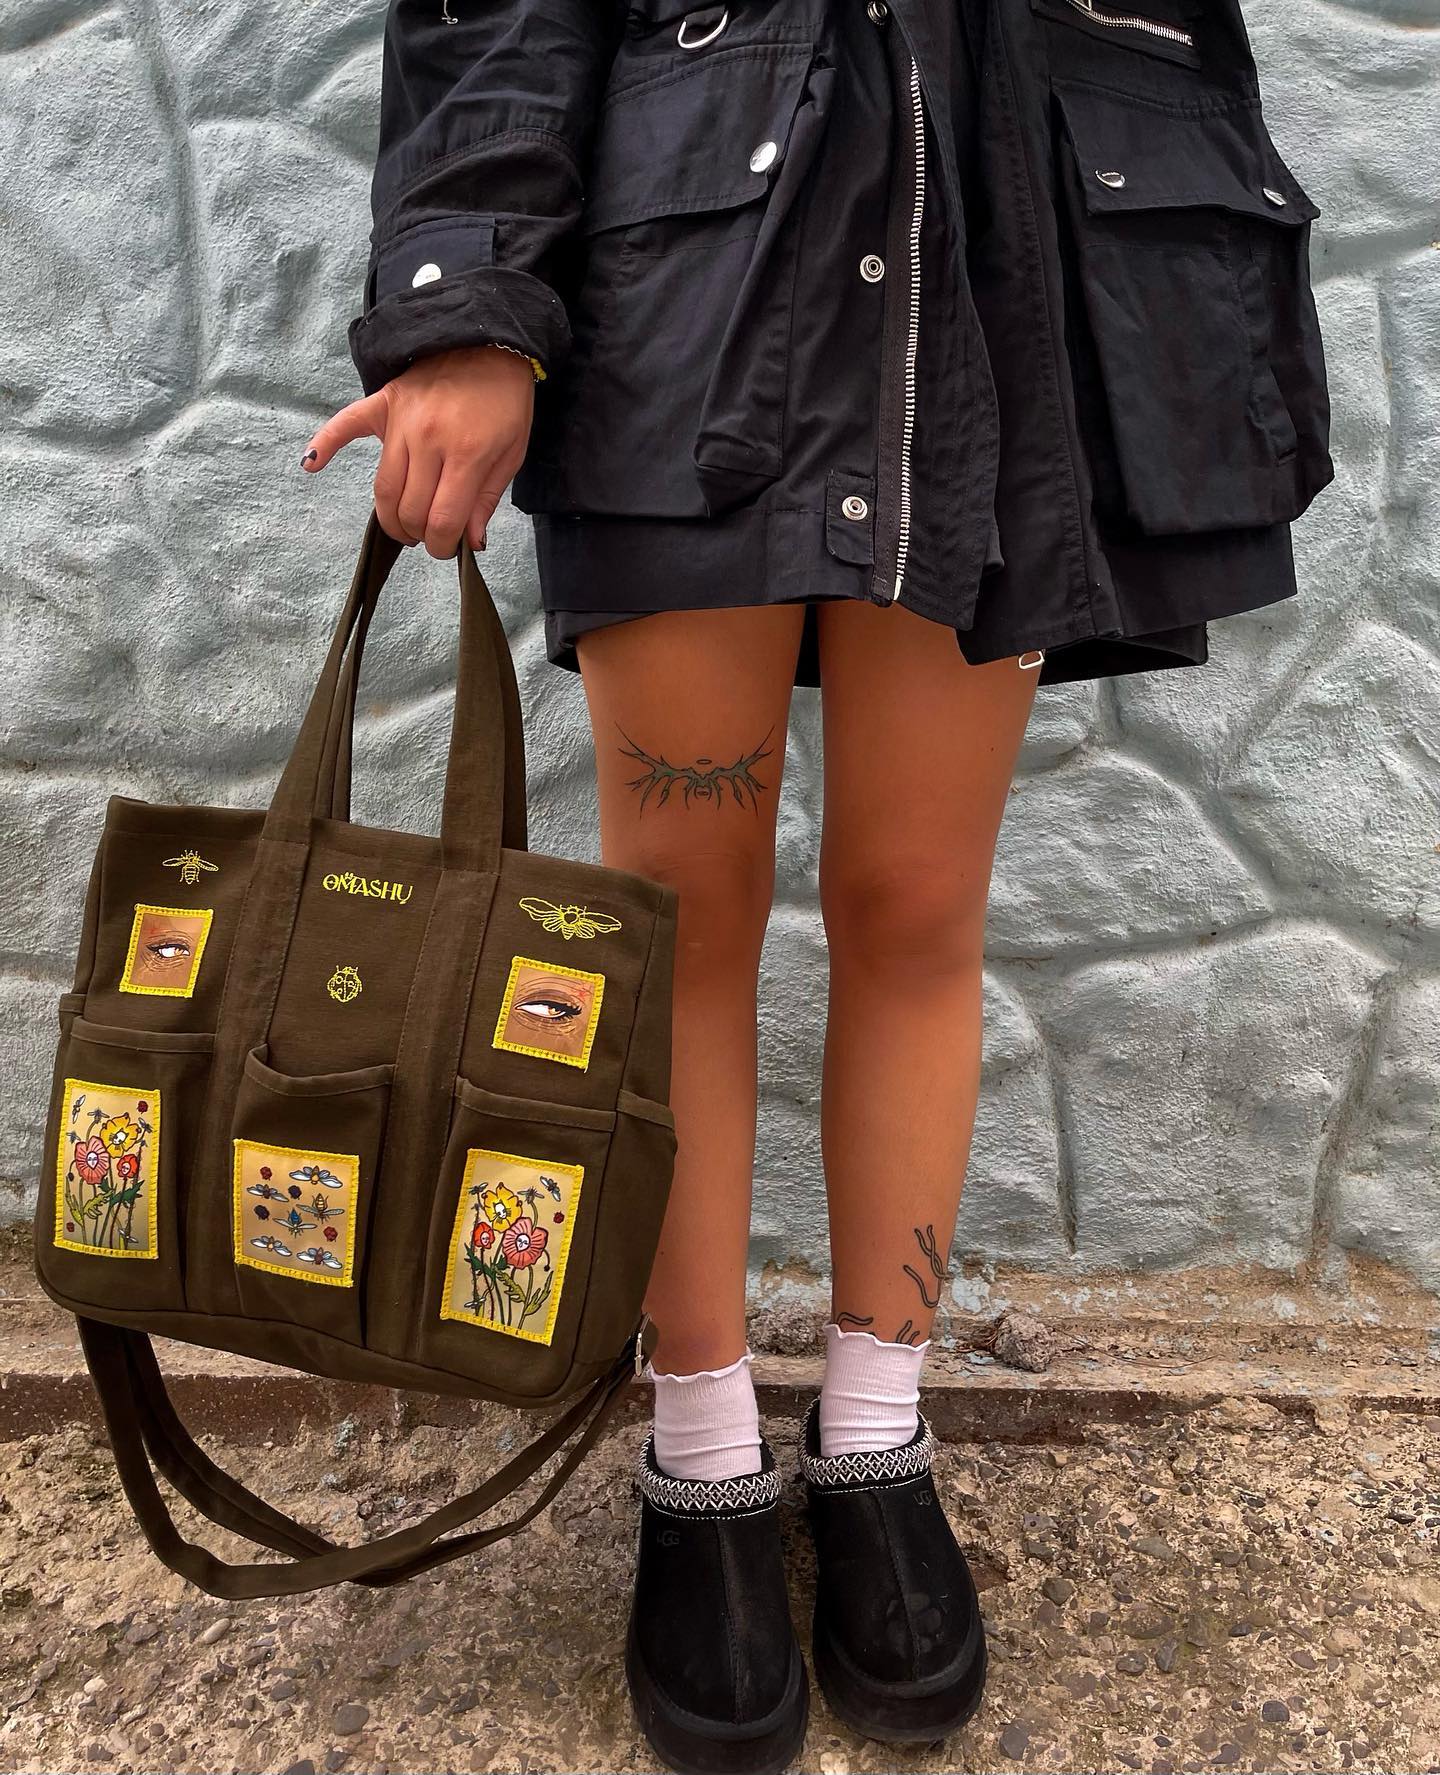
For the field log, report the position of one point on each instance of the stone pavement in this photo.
(1211, 1563)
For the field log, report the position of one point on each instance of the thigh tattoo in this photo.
(705, 780)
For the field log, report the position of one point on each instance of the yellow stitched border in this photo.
(61, 1166)
(206, 913)
(472, 1158)
(582, 1059)
(347, 1276)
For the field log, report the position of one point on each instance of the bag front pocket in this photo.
(303, 1163)
(1199, 369)
(509, 1272)
(121, 1138)
(673, 401)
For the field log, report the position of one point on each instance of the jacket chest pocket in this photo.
(673, 401)
(1200, 375)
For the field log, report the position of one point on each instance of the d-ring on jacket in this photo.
(997, 309)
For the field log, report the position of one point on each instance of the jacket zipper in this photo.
(1124, 22)
(912, 337)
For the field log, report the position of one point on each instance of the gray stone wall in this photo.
(1214, 991)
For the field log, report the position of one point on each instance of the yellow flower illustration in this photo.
(119, 1135)
(502, 1206)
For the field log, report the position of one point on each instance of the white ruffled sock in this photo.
(871, 1393)
(707, 1425)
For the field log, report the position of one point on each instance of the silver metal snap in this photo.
(877, 12)
(872, 268)
(855, 507)
(763, 157)
(427, 274)
(1276, 197)
(1113, 180)
(709, 37)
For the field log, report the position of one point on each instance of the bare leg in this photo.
(689, 712)
(919, 753)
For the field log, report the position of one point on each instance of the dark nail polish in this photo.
(309, 456)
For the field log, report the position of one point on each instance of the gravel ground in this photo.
(1230, 1589)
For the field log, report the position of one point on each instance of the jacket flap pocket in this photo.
(1136, 156)
(708, 135)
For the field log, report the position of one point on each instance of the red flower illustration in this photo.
(92, 1160)
(483, 1237)
(127, 1165)
(331, 1233)
(523, 1242)
(142, 1106)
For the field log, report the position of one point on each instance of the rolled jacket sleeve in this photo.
(485, 128)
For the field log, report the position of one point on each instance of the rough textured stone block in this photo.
(185, 231)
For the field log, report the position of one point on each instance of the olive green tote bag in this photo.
(380, 1107)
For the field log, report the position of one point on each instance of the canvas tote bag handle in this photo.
(144, 1428)
(485, 770)
(333, 793)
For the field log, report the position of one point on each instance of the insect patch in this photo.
(295, 1211)
(345, 985)
(191, 866)
(106, 1168)
(167, 944)
(550, 1011)
(569, 921)
(509, 1243)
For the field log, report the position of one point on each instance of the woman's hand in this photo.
(453, 431)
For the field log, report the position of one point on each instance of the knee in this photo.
(725, 897)
(928, 914)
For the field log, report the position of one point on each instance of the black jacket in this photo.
(1000, 307)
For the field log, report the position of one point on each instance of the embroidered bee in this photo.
(553, 1187)
(569, 921)
(319, 1258)
(266, 1191)
(344, 985)
(190, 864)
(267, 1243)
(316, 1174)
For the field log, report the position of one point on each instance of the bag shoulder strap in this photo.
(144, 1428)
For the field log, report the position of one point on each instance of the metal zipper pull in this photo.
(640, 1345)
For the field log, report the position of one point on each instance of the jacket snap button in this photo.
(1276, 197)
(872, 268)
(855, 507)
(763, 157)
(877, 12)
(1114, 180)
(427, 274)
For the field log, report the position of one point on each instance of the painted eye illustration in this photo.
(546, 1007)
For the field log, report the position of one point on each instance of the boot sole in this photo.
(694, 1746)
(913, 1714)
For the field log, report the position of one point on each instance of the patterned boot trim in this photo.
(871, 1468)
(709, 1497)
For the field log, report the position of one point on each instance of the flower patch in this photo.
(550, 1011)
(166, 946)
(294, 1211)
(105, 1170)
(509, 1243)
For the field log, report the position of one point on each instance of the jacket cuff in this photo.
(487, 305)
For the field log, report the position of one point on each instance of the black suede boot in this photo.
(714, 1669)
(899, 1644)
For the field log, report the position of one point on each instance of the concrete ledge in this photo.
(970, 1398)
